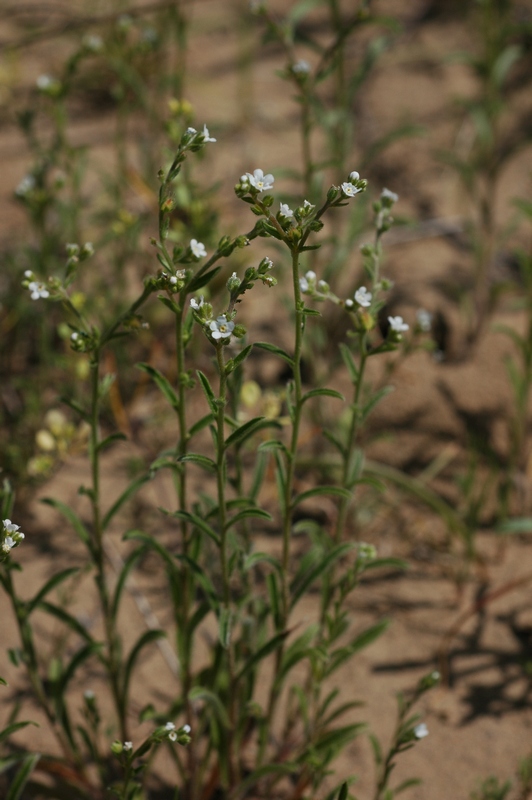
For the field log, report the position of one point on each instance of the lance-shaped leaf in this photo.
(252, 559)
(146, 638)
(73, 518)
(54, 581)
(244, 431)
(225, 626)
(286, 768)
(68, 619)
(270, 647)
(15, 726)
(128, 565)
(204, 462)
(162, 383)
(20, 780)
(248, 512)
(126, 494)
(322, 393)
(300, 585)
(208, 391)
(349, 362)
(199, 523)
(342, 654)
(109, 440)
(200, 424)
(277, 351)
(239, 359)
(209, 698)
(201, 280)
(318, 491)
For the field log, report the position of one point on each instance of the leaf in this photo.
(301, 584)
(211, 699)
(270, 647)
(338, 738)
(336, 442)
(248, 512)
(516, 525)
(384, 563)
(319, 491)
(162, 383)
(505, 62)
(3, 682)
(202, 461)
(21, 778)
(272, 444)
(114, 437)
(207, 390)
(253, 559)
(15, 726)
(201, 280)
(321, 393)
(147, 638)
(225, 626)
(68, 619)
(174, 308)
(310, 312)
(128, 565)
(77, 408)
(349, 362)
(199, 523)
(54, 581)
(82, 655)
(286, 768)
(275, 598)
(241, 357)
(343, 654)
(277, 351)
(377, 397)
(126, 494)
(73, 518)
(200, 424)
(244, 431)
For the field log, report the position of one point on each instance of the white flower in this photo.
(349, 303)
(128, 746)
(386, 194)
(25, 186)
(186, 728)
(260, 181)
(363, 297)
(268, 263)
(44, 82)
(206, 135)
(221, 328)
(170, 726)
(10, 527)
(323, 286)
(310, 275)
(286, 211)
(301, 67)
(88, 694)
(7, 544)
(28, 273)
(37, 290)
(424, 319)
(196, 303)
(397, 324)
(308, 204)
(173, 280)
(191, 130)
(172, 736)
(303, 285)
(354, 176)
(349, 190)
(421, 731)
(198, 249)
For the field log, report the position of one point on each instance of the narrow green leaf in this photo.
(162, 383)
(199, 523)
(68, 619)
(386, 563)
(200, 424)
(342, 794)
(322, 393)
(199, 281)
(377, 397)
(82, 655)
(336, 442)
(3, 682)
(174, 308)
(248, 512)
(272, 444)
(73, 518)
(76, 407)
(278, 351)
(349, 362)
(202, 461)
(128, 565)
(319, 491)
(248, 782)
(300, 585)
(109, 440)
(243, 432)
(54, 581)
(407, 785)
(15, 726)
(274, 596)
(239, 359)
(126, 494)
(270, 647)
(310, 312)
(253, 559)
(208, 392)
(147, 638)
(21, 778)
(225, 626)
(201, 693)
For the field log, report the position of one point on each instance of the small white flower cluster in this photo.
(309, 285)
(397, 324)
(257, 181)
(205, 135)
(221, 327)
(37, 288)
(197, 248)
(301, 67)
(421, 730)
(362, 297)
(170, 727)
(353, 186)
(12, 536)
